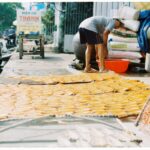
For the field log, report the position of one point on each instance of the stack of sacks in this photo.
(122, 42)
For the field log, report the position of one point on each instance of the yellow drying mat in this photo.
(106, 94)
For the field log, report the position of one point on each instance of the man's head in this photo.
(118, 23)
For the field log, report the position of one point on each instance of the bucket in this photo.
(116, 65)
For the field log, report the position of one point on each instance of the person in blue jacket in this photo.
(143, 36)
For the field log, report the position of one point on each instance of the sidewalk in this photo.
(54, 63)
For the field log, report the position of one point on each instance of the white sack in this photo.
(116, 38)
(126, 12)
(124, 55)
(131, 24)
(123, 46)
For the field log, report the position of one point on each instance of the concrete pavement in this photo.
(53, 63)
(56, 64)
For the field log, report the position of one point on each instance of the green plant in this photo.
(8, 14)
(48, 18)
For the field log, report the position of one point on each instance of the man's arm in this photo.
(102, 50)
(105, 37)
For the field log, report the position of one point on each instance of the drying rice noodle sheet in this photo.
(74, 79)
(109, 94)
(61, 79)
(55, 79)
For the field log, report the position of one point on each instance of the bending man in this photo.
(94, 31)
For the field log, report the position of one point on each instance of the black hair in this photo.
(119, 21)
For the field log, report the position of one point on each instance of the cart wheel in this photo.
(20, 48)
(42, 54)
(20, 55)
(42, 48)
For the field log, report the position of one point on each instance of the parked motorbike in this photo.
(1, 45)
(10, 36)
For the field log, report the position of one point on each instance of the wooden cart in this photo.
(39, 38)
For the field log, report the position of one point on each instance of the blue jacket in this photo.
(144, 19)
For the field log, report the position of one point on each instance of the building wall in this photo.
(58, 32)
(99, 8)
(105, 8)
(76, 12)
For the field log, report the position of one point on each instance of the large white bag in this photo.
(124, 55)
(131, 24)
(126, 12)
(116, 38)
(124, 46)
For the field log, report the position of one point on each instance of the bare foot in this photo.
(103, 70)
(91, 70)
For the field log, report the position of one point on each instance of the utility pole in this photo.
(58, 34)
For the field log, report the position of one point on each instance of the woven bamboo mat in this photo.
(79, 95)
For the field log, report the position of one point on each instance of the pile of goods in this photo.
(122, 42)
